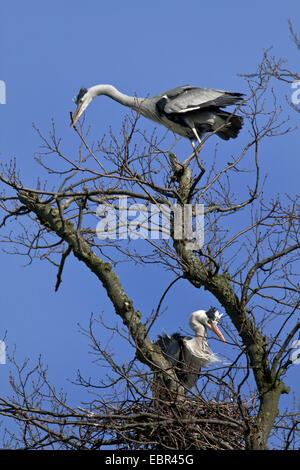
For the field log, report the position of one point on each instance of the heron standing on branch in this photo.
(187, 355)
(186, 110)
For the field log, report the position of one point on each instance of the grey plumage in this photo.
(188, 355)
(186, 110)
(173, 349)
(187, 107)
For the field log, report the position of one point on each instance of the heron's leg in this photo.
(187, 160)
(197, 137)
(196, 152)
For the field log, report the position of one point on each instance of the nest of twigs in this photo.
(189, 424)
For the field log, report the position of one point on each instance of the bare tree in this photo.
(250, 270)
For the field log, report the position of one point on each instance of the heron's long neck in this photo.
(200, 332)
(112, 92)
(200, 338)
(198, 346)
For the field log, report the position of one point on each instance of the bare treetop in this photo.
(209, 223)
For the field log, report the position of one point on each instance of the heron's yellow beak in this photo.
(216, 330)
(80, 108)
(78, 113)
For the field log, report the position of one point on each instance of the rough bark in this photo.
(269, 386)
(145, 350)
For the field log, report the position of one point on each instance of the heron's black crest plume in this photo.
(80, 95)
(211, 313)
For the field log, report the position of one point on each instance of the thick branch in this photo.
(123, 305)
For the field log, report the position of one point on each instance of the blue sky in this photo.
(48, 51)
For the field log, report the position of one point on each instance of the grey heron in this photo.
(186, 110)
(187, 355)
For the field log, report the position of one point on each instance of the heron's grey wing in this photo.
(163, 342)
(170, 347)
(192, 98)
(175, 92)
(173, 352)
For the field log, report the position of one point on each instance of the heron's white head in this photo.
(82, 100)
(209, 319)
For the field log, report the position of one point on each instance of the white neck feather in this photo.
(198, 346)
(112, 92)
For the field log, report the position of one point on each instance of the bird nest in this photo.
(190, 424)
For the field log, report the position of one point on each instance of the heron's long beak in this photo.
(216, 330)
(78, 112)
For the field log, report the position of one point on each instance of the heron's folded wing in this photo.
(163, 342)
(173, 352)
(192, 98)
(170, 347)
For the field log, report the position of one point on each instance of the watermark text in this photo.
(121, 221)
(2, 352)
(296, 93)
(2, 92)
